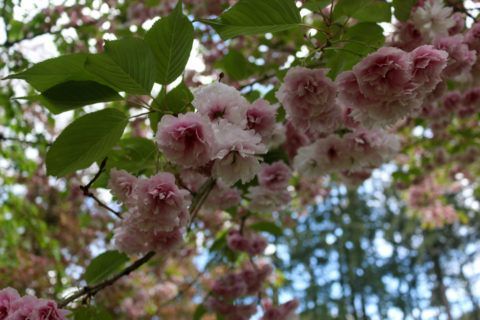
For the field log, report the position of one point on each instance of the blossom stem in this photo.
(199, 199)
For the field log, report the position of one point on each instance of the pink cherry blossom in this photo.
(187, 140)
(261, 118)
(230, 311)
(384, 74)
(219, 101)
(254, 244)
(433, 19)
(222, 197)
(307, 94)
(460, 58)
(32, 308)
(370, 148)
(284, 311)
(295, 139)
(472, 37)
(7, 297)
(407, 37)
(452, 100)
(274, 176)
(325, 155)
(161, 202)
(428, 64)
(267, 200)
(122, 184)
(236, 157)
(23, 308)
(47, 310)
(459, 26)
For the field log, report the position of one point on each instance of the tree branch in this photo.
(87, 193)
(91, 291)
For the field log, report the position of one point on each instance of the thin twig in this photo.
(87, 193)
(92, 291)
(199, 200)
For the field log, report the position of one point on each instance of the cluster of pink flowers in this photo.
(438, 215)
(390, 84)
(271, 194)
(234, 285)
(357, 150)
(14, 307)
(253, 244)
(226, 134)
(425, 197)
(454, 103)
(285, 311)
(308, 97)
(157, 212)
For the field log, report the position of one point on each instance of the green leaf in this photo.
(364, 10)
(220, 242)
(359, 40)
(236, 66)
(104, 265)
(75, 94)
(171, 40)
(51, 72)
(200, 311)
(86, 140)
(133, 155)
(249, 17)
(127, 64)
(176, 101)
(402, 8)
(316, 5)
(90, 313)
(374, 12)
(267, 226)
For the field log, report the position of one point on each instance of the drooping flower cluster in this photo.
(285, 311)
(235, 285)
(425, 199)
(226, 134)
(271, 194)
(253, 244)
(14, 307)
(308, 97)
(357, 150)
(390, 84)
(157, 212)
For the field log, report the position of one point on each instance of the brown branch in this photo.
(260, 80)
(92, 291)
(87, 193)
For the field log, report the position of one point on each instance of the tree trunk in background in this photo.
(441, 285)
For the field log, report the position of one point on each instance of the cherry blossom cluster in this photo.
(439, 113)
(432, 23)
(425, 199)
(271, 194)
(158, 212)
(390, 84)
(226, 134)
(253, 244)
(285, 311)
(15, 307)
(236, 285)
